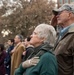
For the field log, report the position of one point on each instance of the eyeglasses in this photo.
(60, 12)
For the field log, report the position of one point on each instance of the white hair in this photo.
(48, 32)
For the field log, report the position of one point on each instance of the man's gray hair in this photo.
(48, 32)
(20, 37)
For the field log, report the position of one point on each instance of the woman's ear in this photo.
(42, 39)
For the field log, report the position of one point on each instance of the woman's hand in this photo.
(31, 62)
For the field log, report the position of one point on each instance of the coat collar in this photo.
(70, 30)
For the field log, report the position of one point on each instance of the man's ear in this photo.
(70, 15)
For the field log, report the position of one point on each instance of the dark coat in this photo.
(8, 58)
(64, 52)
(2, 66)
(29, 50)
(46, 66)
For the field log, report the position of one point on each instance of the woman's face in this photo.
(35, 40)
(26, 42)
(9, 42)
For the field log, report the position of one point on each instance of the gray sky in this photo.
(54, 0)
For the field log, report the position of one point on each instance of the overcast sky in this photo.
(54, 0)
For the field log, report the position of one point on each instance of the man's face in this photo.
(16, 39)
(63, 17)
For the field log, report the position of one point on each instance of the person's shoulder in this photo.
(48, 56)
(48, 59)
(22, 46)
(71, 29)
(4, 53)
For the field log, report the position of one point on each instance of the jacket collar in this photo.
(70, 30)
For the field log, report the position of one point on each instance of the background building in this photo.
(60, 2)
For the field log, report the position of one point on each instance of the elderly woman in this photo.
(42, 61)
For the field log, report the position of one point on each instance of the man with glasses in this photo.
(64, 48)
